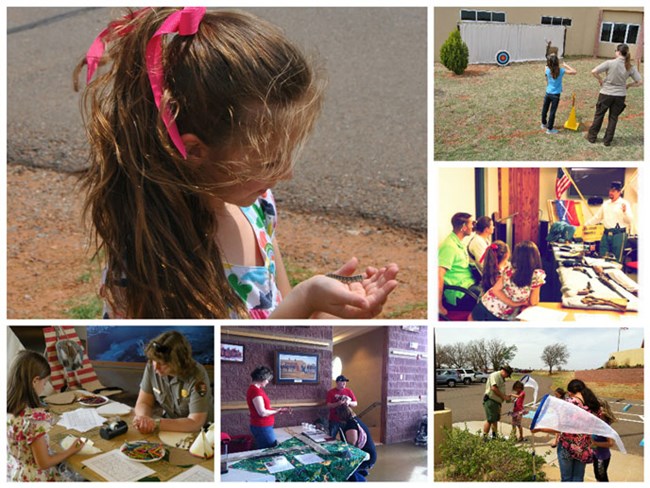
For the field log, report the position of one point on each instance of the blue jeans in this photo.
(264, 436)
(552, 101)
(570, 469)
(334, 429)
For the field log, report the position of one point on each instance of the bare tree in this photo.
(499, 354)
(477, 355)
(443, 355)
(555, 355)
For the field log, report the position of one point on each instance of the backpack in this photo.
(363, 437)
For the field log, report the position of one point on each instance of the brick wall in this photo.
(623, 375)
(405, 377)
(235, 377)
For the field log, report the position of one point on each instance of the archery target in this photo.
(503, 58)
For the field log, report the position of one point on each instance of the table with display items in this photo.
(340, 462)
(175, 461)
(590, 284)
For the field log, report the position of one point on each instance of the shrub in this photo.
(468, 457)
(454, 53)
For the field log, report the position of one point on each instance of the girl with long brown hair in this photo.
(195, 117)
(28, 454)
(613, 91)
(554, 75)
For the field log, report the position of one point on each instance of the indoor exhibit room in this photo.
(110, 403)
(537, 244)
(323, 403)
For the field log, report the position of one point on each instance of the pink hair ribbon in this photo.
(492, 247)
(184, 22)
(96, 50)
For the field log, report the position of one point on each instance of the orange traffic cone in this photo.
(572, 123)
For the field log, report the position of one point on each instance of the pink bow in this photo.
(186, 23)
(96, 50)
(493, 247)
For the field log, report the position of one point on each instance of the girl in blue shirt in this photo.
(554, 75)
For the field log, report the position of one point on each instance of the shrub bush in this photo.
(468, 457)
(454, 54)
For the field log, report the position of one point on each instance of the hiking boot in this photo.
(589, 139)
(607, 143)
(552, 131)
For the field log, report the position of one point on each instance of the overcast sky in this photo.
(588, 348)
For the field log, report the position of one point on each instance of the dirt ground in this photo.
(50, 273)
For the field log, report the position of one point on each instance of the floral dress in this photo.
(515, 293)
(22, 431)
(256, 285)
(578, 446)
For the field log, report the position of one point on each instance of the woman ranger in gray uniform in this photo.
(176, 382)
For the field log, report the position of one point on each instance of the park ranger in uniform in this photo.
(616, 216)
(175, 382)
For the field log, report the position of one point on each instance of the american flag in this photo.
(562, 183)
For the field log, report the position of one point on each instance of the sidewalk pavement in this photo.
(623, 467)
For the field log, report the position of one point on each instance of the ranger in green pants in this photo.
(616, 216)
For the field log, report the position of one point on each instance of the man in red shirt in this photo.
(341, 395)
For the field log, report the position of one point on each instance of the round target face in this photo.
(503, 58)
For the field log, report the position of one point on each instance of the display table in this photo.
(339, 464)
(181, 460)
(581, 287)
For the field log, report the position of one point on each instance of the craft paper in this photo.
(88, 448)
(113, 466)
(195, 473)
(82, 419)
(278, 464)
(541, 314)
(559, 415)
(201, 447)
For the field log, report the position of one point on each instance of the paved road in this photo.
(367, 157)
(465, 403)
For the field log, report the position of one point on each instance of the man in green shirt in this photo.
(453, 267)
(495, 395)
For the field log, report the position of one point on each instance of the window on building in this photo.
(482, 16)
(548, 20)
(618, 32)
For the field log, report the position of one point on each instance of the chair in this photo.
(457, 315)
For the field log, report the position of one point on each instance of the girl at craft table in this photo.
(28, 451)
(177, 383)
(188, 133)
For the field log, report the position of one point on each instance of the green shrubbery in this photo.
(468, 457)
(454, 54)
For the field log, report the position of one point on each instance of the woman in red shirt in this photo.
(259, 406)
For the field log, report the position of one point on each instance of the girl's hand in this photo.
(364, 299)
(76, 446)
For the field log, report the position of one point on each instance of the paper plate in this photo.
(114, 408)
(92, 400)
(143, 451)
(175, 439)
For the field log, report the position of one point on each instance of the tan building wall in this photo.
(581, 38)
(630, 357)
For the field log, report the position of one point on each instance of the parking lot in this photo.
(465, 402)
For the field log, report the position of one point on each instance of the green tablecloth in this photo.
(336, 466)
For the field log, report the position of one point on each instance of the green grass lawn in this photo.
(494, 113)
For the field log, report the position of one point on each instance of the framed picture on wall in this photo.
(233, 353)
(295, 367)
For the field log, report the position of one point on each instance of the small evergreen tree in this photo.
(454, 53)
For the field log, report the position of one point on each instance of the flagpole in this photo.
(582, 197)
